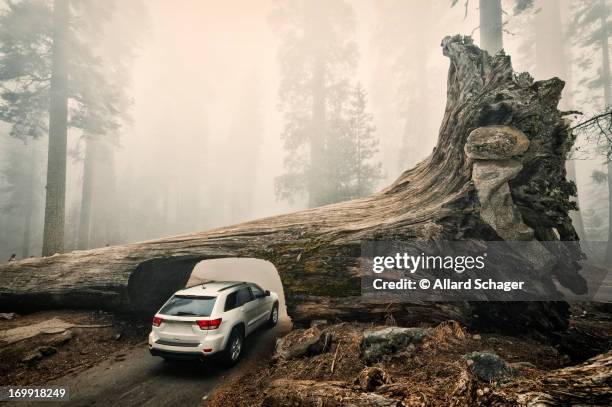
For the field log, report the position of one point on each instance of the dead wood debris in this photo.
(448, 367)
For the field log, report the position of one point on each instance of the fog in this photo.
(200, 143)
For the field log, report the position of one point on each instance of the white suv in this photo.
(211, 319)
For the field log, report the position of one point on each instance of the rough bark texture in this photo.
(53, 234)
(316, 251)
(587, 384)
(310, 393)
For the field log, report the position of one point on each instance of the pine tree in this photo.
(317, 54)
(365, 172)
(50, 80)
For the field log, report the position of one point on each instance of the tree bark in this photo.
(310, 393)
(491, 34)
(587, 384)
(316, 251)
(53, 235)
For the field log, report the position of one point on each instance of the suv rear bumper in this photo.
(167, 354)
(209, 346)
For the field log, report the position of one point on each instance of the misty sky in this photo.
(192, 66)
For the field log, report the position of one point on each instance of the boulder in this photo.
(488, 367)
(496, 143)
(312, 342)
(379, 343)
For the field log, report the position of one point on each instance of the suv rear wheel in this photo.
(233, 349)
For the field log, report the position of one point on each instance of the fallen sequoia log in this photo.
(517, 192)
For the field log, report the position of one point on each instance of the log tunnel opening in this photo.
(253, 270)
(154, 281)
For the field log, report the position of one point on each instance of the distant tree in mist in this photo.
(51, 79)
(403, 51)
(590, 31)
(245, 140)
(21, 189)
(105, 110)
(317, 54)
(352, 150)
(491, 25)
(491, 28)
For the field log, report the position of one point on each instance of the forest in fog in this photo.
(129, 120)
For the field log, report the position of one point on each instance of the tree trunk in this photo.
(605, 76)
(491, 37)
(104, 222)
(551, 60)
(317, 189)
(316, 251)
(86, 195)
(53, 235)
(28, 201)
(316, 186)
(550, 42)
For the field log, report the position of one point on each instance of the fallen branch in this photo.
(334, 360)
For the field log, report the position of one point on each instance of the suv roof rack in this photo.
(230, 286)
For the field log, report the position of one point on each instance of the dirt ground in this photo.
(96, 336)
(427, 376)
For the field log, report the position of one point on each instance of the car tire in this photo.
(233, 349)
(273, 320)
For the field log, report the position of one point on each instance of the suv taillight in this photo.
(157, 321)
(209, 324)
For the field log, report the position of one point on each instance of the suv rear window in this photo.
(181, 305)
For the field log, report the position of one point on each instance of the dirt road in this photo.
(143, 380)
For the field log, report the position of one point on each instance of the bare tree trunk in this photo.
(86, 195)
(104, 214)
(491, 34)
(316, 184)
(605, 76)
(550, 43)
(28, 202)
(317, 251)
(551, 60)
(317, 187)
(53, 235)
